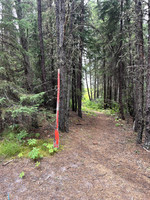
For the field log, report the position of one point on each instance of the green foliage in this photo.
(20, 155)
(2, 101)
(117, 120)
(37, 164)
(16, 144)
(50, 148)
(32, 142)
(9, 93)
(11, 136)
(51, 117)
(22, 174)
(34, 99)
(115, 107)
(37, 135)
(14, 127)
(98, 105)
(19, 110)
(90, 113)
(118, 124)
(22, 135)
(35, 153)
(10, 148)
(95, 105)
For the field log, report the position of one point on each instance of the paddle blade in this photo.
(56, 140)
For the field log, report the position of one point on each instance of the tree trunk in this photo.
(95, 79)
(121, 66)
(139, 71)
(87, 85)
(147, 124)
(79, 77)
(98, 86)
(115, 89)
(24, 44)
(41, 45)
(73, 91)
(74, 87)
(91, 83)
(60, 24)
(104, 81)
(1, 122)
(110, 93)
(105, 91)
(53, 80)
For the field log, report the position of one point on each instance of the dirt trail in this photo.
(99, 162)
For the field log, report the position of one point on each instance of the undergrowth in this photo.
(21, 144)
(98, 105)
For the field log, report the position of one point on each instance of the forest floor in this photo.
(99, 161)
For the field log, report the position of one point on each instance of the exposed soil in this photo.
(99, 162)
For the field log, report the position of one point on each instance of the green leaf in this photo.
(20, 155)
(22, 174)
(32, 142)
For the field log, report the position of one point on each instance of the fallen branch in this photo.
(4, 164)
(146, 149)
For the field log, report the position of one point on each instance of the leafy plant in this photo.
(137, 151)
(11, 136)
(37, 135)
(22, 174)
(14, 127)
(35, 153)
(2, 101)
(50, 147)
(20, 155)
(117, 120)
(37, 164)
(22, 135)
(117, 124)
(32, 142)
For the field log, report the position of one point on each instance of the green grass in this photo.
(10, 148)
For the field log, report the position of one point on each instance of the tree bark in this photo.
(24, 44)
(60, 24)
(91, 83)
(87, 85)
(41, 45)
(79, 77)
(1, 121)
(139, 120)
(98, 86)
(95, 79)
(104, 81)
(147, 124)
(121, 66)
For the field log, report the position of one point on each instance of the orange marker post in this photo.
(56, 139)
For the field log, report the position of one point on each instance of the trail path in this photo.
(99, 162)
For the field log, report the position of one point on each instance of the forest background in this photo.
(105, 42)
